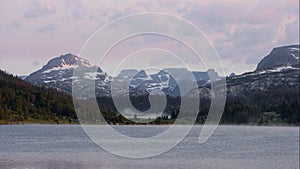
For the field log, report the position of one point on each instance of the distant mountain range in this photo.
(58, 73)
(278, 70)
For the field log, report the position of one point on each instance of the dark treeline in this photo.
(264, 107)
(281, 107)
(24, 102)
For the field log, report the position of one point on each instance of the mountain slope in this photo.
(263, 81)
(277, 71)
(21, 101)
(268, 95)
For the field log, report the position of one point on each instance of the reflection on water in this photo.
(67, 147)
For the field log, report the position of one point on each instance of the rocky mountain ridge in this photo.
(58, 73)
(278, 70)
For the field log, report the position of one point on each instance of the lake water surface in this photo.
(230, 147)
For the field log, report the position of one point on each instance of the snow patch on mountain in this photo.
(63, 67)
(58, 73)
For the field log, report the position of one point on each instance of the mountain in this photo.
(58, 73)
(268, 95)
(280, 57)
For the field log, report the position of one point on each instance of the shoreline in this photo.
(54, 123)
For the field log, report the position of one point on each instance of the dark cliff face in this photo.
(281, 56)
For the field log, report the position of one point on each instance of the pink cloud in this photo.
(237, 28)
(37, 9)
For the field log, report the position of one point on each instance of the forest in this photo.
(22, 102)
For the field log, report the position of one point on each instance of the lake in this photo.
(230, 147)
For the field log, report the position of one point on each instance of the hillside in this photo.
(22, 102)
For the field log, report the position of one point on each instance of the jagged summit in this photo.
(66, 61)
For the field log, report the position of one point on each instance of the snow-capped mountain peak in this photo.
(67, 61)
(58, 73)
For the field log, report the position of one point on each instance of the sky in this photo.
(242, 31)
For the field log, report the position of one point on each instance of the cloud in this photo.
(35, 63)
(47, 28)
(246, 35)
(14, 25)
(292, 32)
(286, 27)
(242, 31)
(77, 10)
(36, 9)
